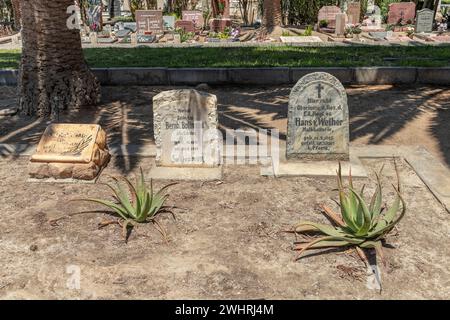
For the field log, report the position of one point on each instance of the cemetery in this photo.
(224, 150)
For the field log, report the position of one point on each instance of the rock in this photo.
(86, 171)
(60, 170)
(38, 170)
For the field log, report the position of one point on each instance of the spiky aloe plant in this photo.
(361, 225)
(139, 205)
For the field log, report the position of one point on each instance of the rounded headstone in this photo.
(318, 125)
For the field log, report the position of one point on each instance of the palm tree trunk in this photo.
(272, 14)
(53, 73)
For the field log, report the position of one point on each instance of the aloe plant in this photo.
(138, 205)
(361, 225)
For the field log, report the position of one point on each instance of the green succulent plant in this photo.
(361, 224)
(137, 205)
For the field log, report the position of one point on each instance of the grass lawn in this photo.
(253, 57)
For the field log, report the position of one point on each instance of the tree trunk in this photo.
(17, 14)
(272, 14)
(53, 73)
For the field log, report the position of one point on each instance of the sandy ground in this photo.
(391, 115)
(227, 242)
(227, 239)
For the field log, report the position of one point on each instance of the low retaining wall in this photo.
(257, 76)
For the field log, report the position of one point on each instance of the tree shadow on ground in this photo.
(377, 113)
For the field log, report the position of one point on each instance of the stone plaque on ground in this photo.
(403, 12)
(186, 26)
(354, 12)
(424, 20)
(318, 125)
(195, 16)
(300, 39)
(328, 13)
(185, 127)
(65, 151)
(149, 21)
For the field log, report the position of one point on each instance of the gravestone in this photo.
(185, 127)
(403, 12)
(341, 19)
(372, 21)
(424, 20)
(318, 125)
(300, 39)
(219, 25)
(328, 13)
(77, 151)
(195, 16)
(354, 12)
(186, 26)
(169, 22)
(149, 21)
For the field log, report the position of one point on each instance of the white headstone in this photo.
(318, 125)
(424, 20)
(185, 128)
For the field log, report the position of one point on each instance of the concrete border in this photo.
(257, 76)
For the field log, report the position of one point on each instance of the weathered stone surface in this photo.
(60, 170)
(424, 20)
(185, 127)
(38, 170)
(85, 171)
(328, 13)
(318, 125)
(401, 12)
(195, 16)
(341, 21)
(354, 12)
(66, 151)
(67, 143)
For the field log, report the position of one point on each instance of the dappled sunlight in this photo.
(382, 114)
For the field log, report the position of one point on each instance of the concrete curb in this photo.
(257, 76)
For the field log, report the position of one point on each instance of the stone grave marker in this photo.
(424, 20)
(219, 25)
(354, 12)
(187, 26)
(185, 128)
(77, 151)
(373, 19)
(300, 39)
(169, 22)
(149, 21)
(401, 11)
(329, 13)
(341, 19)
(195, 16)
(318, 124)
